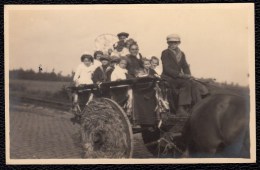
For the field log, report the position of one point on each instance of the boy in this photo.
(103, 72)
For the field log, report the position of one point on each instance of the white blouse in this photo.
(83, 74)
(118, 73)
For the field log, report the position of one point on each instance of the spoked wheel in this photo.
(105, 130)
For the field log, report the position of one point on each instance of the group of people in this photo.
(116, 65)
(125, 61)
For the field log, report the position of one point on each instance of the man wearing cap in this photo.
(177, 72)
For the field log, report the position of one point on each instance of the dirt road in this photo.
(41, 132)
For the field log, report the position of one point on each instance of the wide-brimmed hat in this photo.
(105, 57)
(123, 34)
(173, 38)
(115, 59)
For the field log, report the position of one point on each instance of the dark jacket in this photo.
(102, 74)
(133, 65)
(172, 68)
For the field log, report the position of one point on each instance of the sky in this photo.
(215, 39)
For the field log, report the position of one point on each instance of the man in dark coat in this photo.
(177, 72)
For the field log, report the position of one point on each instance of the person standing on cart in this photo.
(176, 72)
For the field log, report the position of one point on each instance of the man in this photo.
(177, 72)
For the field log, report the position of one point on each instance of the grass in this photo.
(41, 89)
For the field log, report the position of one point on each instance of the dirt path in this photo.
(40, 132)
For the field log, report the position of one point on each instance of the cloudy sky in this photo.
(215, 39)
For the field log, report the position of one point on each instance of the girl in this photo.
(82, 76)
(84, 71)
(120, 71)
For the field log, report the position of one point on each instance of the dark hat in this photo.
(105, 57)
(122, 34)
(82, 58)
(96, 53)
(115, 59)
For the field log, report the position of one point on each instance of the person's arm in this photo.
(167, 67)
(185, 66)
(95, 77)
(77, 73)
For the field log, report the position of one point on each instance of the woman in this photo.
(135, 64)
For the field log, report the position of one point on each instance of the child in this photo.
(122, 95)
(155, 64)
(146, 71)
(120, 71)
(103, 72)
(97, 56)
(84, 71)
(82, 76)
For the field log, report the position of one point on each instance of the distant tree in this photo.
(32, 75)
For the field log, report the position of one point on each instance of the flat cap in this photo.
(122, 34)
(173, 37)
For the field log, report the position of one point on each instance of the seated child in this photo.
(82, 76)
(155, 65)
(120, 71)
(147, 70)
(97, 56)
(103, 72)
(84, 71)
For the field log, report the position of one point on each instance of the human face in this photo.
(104, 62)
(147, 64)
(110, 51)
(173, 44)
(123, 64)
(134, 50)
(87, 62)
(122, 38)
(98, 56)
(154, 63)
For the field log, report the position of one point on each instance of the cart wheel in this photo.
(150, 137)
(105, 130)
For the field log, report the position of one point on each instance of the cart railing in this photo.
(115, 84)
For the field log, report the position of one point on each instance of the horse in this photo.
(218, 127)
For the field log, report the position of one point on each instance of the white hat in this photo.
(173, 37)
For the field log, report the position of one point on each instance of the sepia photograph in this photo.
(130, 84)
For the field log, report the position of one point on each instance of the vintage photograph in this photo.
(168, 83)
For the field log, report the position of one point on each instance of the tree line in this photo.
(44, 76)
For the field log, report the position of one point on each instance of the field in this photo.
(41, 89)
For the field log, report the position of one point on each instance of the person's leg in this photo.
(184, 96)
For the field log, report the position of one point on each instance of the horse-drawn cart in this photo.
(107, 125)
